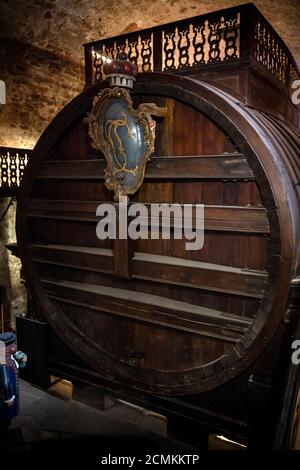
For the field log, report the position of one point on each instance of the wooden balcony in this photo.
(229, 37)
(12, 165)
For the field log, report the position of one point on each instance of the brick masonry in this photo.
(41, 55)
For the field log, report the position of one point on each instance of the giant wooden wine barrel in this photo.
(181, 322)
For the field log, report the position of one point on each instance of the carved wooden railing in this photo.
(238, 34)
(12, 164)
(268, 49)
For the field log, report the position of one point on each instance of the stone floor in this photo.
(55, 415)
(45, 415)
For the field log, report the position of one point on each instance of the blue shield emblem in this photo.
(126, 137)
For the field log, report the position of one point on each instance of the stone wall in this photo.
(64, 25)
(41, 54)
(38, 84)
(10, 265)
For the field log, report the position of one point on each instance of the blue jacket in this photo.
(8, 391)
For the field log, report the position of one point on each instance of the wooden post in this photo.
(122, 245)
(88, 60)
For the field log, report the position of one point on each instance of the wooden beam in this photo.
(78, 257)
(220, 218)
(226, 166)
(236, 219)
(123, 247)
(184, 272)
(149, 308)
(165, 269)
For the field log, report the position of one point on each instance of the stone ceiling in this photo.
(41, 54)
(64, 25)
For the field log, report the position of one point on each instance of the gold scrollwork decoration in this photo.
(105, 136)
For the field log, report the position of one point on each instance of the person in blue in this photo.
(10, 361)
